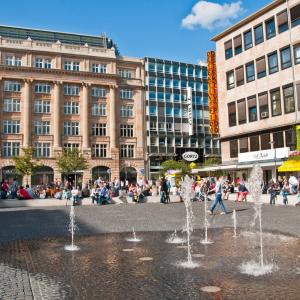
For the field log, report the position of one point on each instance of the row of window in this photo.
(252, 110)
(177, 112)
(261, 68)
(235, 47)
(175, 97)
(69, 90)
(169, 127)
(11, 149)
(175, 69)
(69, 65)
(180, 142)
(262, 142)
(177, 84)
(70, 128)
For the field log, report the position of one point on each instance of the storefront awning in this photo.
(290, 166)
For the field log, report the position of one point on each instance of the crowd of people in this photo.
(101, 191)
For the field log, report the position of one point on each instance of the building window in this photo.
(233, 145)
(252, 109)
(12, 86)
(168, 69)
(153, 126)
(183, 70)
(275, 103)
(168, 97)
(42, 149)
(169, 126)
(263, 106)
(282, 21)
(278, 139)
(237, 42)
(126, 130)
(270, 28)
(71, 108)
(232, 114)
(273, 62)
(239, 74)
(261, 67)
(153, 141)
(160, 82)
(11, 126)
(168, 82)
(72, 65)
(127, 111)
(288, 99)
(298, 95)
(161, 126)
(71, 147)
(99, 150)
(248, 40)
(126, 94)
(160, 68)
(152, 95)
(250, 72)
(290, 139)
(162, 141)
(230, 80)
(254, 143)
(151, 67)
(295, 15)
(241, 106)
(175, 69)
(11, 105)
(99, 129)
(43, 63)
(99, 92)
(99, 109)
(98, 68)
(286, 59)
(259, 34)
(175, 83)
(13, 60)
(152, 110)
(178, 141)
(125, 73)
(42, 88)
(41, 127)
(265, 141)
(177, 112)
(41, 107)
(169, 111)
(11, 149)
(127, 151)
(183, 84)
(243, 145)
(160, 96)
(297, 54)
(71, 128)
(71, 90)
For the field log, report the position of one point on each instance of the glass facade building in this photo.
(167, 112)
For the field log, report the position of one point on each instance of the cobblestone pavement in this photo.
(27, 223)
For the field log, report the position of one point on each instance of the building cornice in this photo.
(248, 19)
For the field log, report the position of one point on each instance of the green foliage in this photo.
(212, 161)
(180, 165)
(71, 161)
(24, 163)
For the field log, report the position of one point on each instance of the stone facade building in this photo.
(61, 90)
(258, 70)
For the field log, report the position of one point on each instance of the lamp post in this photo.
(273, 145)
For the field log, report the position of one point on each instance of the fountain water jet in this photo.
(206, 241)
(234, 223)
(134, 238)
(175, 239)
(255, 187)
(72, 228)
(187, 195)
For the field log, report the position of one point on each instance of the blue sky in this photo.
(139, 27)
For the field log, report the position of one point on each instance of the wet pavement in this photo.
(34, 264)
(42, 269)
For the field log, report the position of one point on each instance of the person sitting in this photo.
(94, 194)
(75, 195)
(103, 195)
(226, 190)
(242, 192)
(4, 189)
(42, 193)
(132, 192)
(23, 194)
(30, 191)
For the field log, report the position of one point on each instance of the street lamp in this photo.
(273, 145)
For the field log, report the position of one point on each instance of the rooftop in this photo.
(248, 19)
(54, 36)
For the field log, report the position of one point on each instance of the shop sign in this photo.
(264, 155)
(190, 156)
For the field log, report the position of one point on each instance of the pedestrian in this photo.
(163, 190)
(218, 197)
(273, 191)
(285, 191)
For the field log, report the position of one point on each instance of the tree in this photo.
(180, 165)
(72, 161)
(24, 163)
(212, 161)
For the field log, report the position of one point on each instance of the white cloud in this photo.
(211, 15)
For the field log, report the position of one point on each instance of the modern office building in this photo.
(62, 91)
(258, 69)
(168, 132)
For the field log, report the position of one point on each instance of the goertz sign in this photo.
(279, 153)
(190, 156)
(190, 110)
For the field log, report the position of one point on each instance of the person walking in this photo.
(285, 192)
(218, 197)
